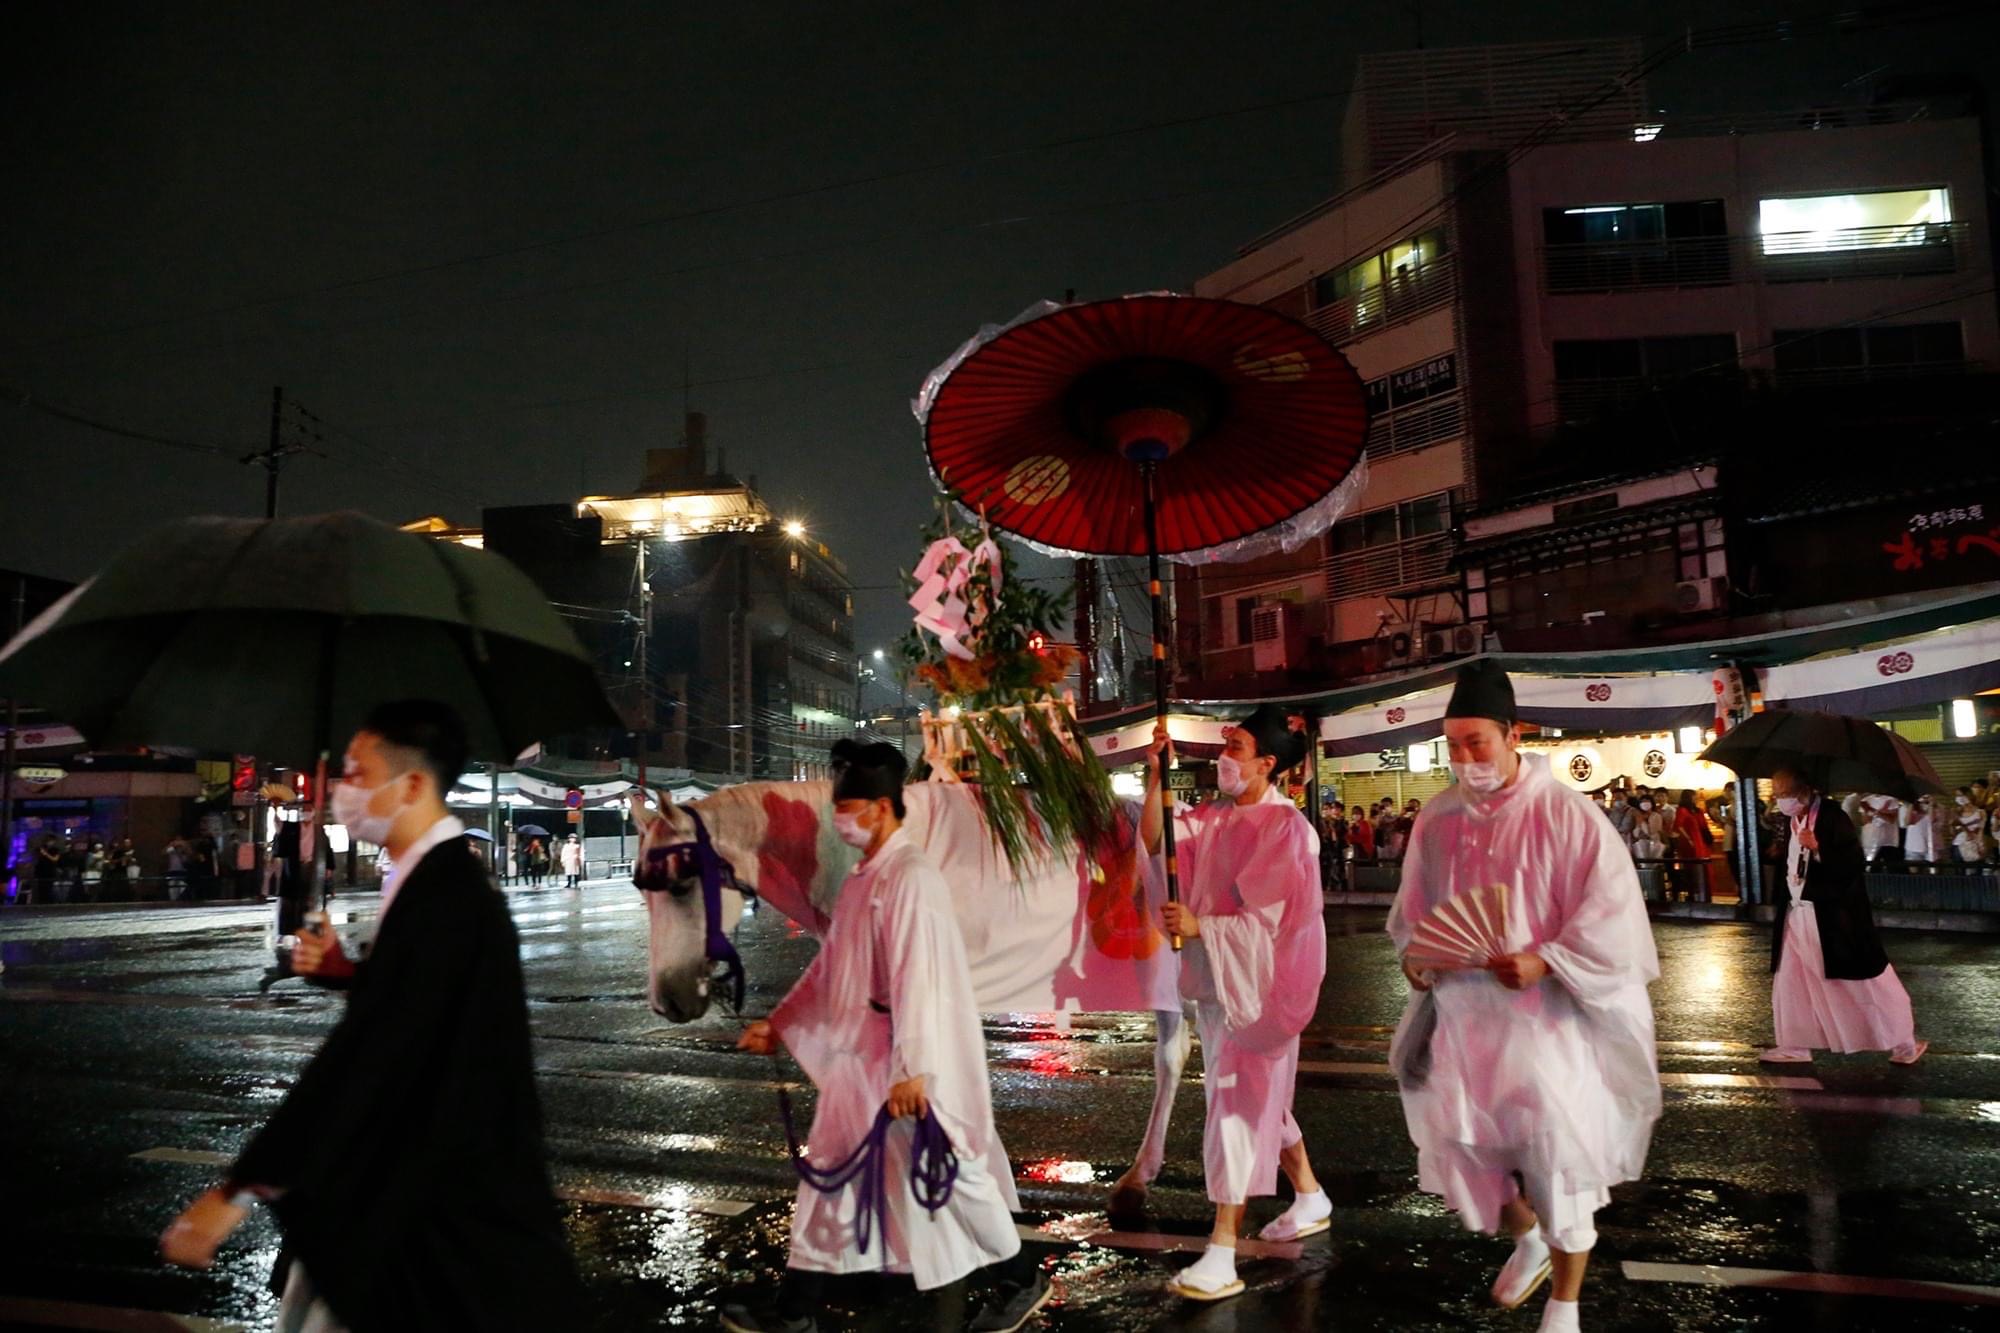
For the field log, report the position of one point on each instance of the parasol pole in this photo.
(1149, 472)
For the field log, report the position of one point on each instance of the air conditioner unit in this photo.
(1400, 648)
(1693, 595)
(1277, 637)
(1451, 640)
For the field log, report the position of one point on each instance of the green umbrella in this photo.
(277, 637)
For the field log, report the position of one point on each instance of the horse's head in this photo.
(683, 924)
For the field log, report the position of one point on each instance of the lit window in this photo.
(1852, 221)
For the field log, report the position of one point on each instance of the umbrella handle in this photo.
(1149, 472)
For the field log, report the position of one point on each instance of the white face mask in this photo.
(352, 810)
(1481, 779)
(1229, 778)
(850, 830)
(1646, 805)
(1790, 806)
(1965, 800)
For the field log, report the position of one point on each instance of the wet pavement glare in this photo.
(142, 1032)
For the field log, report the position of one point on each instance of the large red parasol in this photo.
(1150, 425)
(1255, 420)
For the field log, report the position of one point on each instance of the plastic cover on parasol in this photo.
(1014, 424)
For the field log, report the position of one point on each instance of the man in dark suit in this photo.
(1832, 987)
(406, 1165)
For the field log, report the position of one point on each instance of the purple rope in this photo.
(933, 1168)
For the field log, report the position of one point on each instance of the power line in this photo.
(23, 398)
(789, 196)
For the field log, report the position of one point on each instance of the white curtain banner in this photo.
(1893, 664)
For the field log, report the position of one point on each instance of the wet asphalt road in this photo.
(136, 1053)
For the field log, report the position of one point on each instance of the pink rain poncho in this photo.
(1250, 874)
(1559, 1081)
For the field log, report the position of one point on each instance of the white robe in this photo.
(893, 946)
(1250, 874)
(1559, 1081)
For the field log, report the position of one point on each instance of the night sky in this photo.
(483, 243)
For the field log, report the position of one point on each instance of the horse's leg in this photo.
(1172, 1040)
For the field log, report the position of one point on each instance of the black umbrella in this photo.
(1831, 751)
(532, 831)
(277, 637)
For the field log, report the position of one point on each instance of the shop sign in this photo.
(39, 775)
(1413, 384)
(1882, 551)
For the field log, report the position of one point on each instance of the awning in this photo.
(1193, 737)
(1581, 703)
(1912, 673)
(1764, 651)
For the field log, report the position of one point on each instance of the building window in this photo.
(1628, 247)
(1426, 517)
(1851, 221)
(1871, 352)
(1602, 224)
(1596, 375)
(1402, 280)
(1618, 576)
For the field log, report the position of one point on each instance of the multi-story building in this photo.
(1602, 372)
(724, 632)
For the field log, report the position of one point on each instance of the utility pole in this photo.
(1117, 646)
(277, 451)
(272, 455)
(13, 731)
(1086, 628)
(643, 714)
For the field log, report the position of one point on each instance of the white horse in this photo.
(1075, 934)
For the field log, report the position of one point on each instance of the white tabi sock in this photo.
(1560, 1317)
(1523, 1270)
(1306, 1210)
(1215, 1269)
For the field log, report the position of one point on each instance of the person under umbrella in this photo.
(1256, 955)
(1832, 986)
(406, 1165)
(1531, 1085)
(884, 1017)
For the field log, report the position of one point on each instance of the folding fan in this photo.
(1464, 931)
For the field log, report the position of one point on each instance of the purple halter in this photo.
(653, 876)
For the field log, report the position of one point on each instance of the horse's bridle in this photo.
(653, 875)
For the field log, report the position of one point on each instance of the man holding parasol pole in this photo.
(1255, 958)
(1526, 1060)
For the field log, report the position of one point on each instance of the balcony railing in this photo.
(1406, 564)
(1904, 370)
(1416, 426)
(1629, 266)
(1862, 252)
(1792, 256)
(1406, 294)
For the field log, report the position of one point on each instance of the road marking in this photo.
(672, 1199)
(1842, 1101)
(1158, 1242)
(16, 1312)
(1837, 1284)
(1763, 1082)
(1341, 1067)
(1768, 1082)
(183, 1157)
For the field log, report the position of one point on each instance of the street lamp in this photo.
(794, 529)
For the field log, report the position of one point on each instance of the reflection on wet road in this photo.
(137, 1055)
